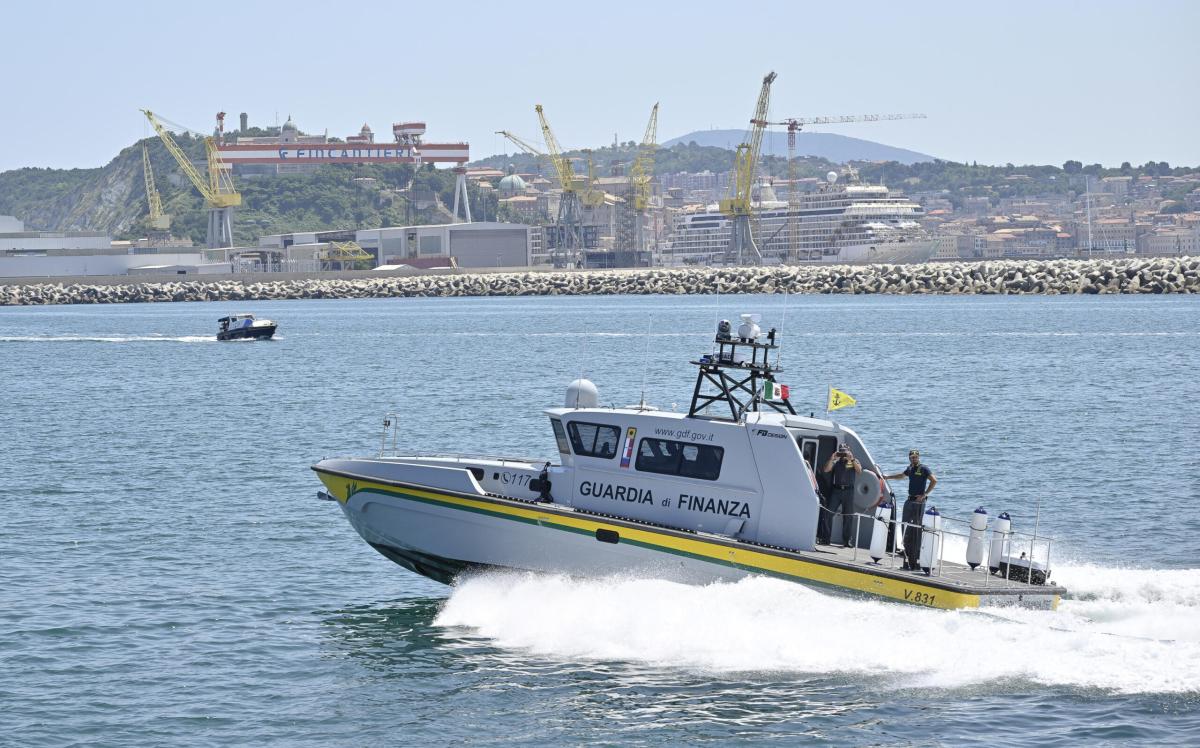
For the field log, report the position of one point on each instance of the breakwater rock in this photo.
(1129, 275)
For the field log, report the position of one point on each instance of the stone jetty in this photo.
(1158, 275)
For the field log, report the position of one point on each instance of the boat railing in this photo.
(391, 432)
(1015, 546)
(465, 457)
(389, 447)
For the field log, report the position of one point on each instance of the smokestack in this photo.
(244, 120)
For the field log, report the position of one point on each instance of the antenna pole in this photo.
(782, 327)
(1037, 519)
(646, 359)
(717, 315)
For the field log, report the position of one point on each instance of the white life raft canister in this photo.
(1000, 541)
(931, 539)
(976, 540)
(879, 530)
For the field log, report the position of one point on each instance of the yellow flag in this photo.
(839, 399)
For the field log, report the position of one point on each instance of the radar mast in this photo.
(734, 375)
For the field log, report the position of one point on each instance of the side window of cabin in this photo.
(809, 449)
(677, 458)
(594, 439)
(560, 436)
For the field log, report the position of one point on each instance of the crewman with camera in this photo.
(844, 470)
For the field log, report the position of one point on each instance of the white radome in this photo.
(581, 393)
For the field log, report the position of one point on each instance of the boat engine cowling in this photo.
(975, 542)
(582, 393)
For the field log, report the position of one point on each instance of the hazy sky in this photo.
(1022, 82)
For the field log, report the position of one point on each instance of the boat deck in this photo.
(951, 575)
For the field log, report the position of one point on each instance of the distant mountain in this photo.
(836, 148)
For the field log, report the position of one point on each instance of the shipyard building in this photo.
(482, 244)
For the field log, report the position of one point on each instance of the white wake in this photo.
(108, 339)
(1126, 631)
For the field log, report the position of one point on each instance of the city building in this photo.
(1171, 241)
(1112, 235)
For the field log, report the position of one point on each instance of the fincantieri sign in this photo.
(340, 153)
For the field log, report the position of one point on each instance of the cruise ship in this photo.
(841, 222)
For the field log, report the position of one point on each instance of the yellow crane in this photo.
(589, 195)
(566, 237)
(522, 144)
(216, 187)
(158, 221)
(641, 174)
(737, 206)
(793, 126)
(344, 256)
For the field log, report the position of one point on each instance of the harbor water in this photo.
(167, 576)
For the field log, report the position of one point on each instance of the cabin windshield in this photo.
(594, 439)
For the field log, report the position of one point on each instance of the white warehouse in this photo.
(472, 245)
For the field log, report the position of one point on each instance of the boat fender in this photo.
(1000, 542)
(879, 530)
(931, 540)
(975, 542)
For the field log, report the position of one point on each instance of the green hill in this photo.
(689, 157)
(113, 198)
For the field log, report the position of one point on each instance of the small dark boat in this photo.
(240, 326)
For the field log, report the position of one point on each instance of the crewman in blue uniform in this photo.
(920, 483)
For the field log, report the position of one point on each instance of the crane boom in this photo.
(521, 143)
(799, 121)
(746, 158)
(217, 187)
(567, 237)
(642, 171)
(737, 205)
(158, 220)
(562, 165)
(641, 174)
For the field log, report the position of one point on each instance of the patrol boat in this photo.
(724, 491)
(242, 326)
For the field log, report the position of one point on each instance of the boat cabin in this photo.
(736, 464)
(235, 321)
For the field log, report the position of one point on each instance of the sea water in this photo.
(167, 576)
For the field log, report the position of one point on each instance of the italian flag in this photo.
(775, 391)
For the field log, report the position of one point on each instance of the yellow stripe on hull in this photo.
(747, 559)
